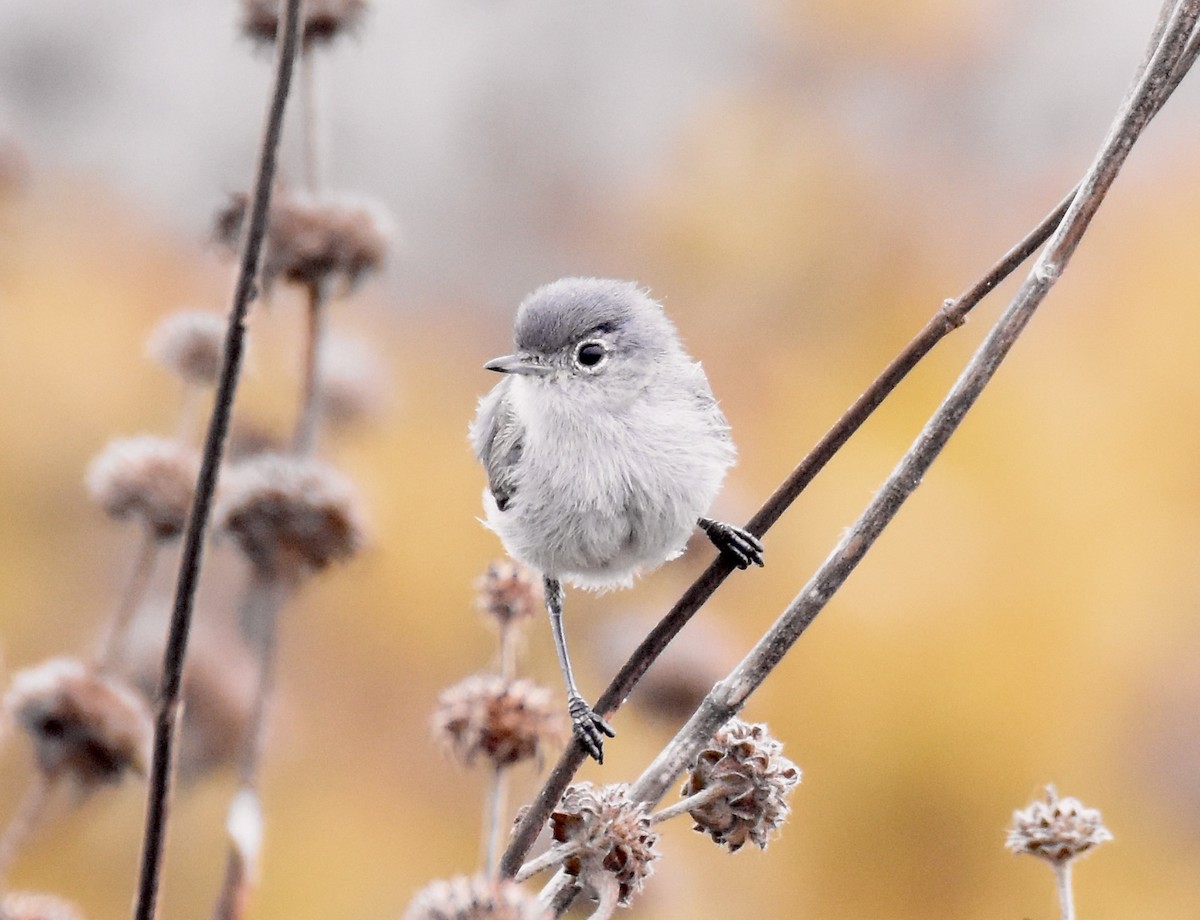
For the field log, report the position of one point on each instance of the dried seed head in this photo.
(475, 898)
(749, 764)
(352, 382)
(289, 515)
(84, 724)
(316, 244)
(613, 835)
(189, 344)
(34, 905)
(504, 721)
(146, 477)
(509, 592)
(249, 439)
(1056, 830)
(324, 20)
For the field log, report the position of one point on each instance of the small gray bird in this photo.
(604, 448)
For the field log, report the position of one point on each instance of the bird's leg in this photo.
(589, 728)
(741, 546)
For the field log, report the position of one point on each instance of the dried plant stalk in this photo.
(170, 690)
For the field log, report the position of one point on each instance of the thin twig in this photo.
(1066, 899)
(493, 824)
(262, 604)
(693, 801)
(730, 694)
(304, 440)
(310, 112)
(553, 856)
(21, 826)
(131, 599)
(214, 446)
(949, 317)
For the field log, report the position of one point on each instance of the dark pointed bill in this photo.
(517, 364)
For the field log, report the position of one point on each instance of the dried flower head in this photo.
(146, 477)
(189, 344)
(249, 439)
(289, 515)
(352, 381)
(610, 834)
(475, 898)
(35, 905)
(84, 724)
(315, 244)
(748, 764)
(509, 592)
(504, 721)
(1055, 829)
(324, 20)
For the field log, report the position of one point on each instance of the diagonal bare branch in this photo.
(951, 315)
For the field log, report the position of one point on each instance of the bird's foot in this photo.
(588, 727)
(741, 546)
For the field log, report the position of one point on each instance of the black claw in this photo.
(589, 727)
(740, 545)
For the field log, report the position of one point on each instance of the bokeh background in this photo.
(802, 182)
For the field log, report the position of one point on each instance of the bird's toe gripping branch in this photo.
(741, 546)
(589, 727)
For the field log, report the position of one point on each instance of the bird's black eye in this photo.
(589, 354)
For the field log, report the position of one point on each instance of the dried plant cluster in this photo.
(746, 766)
(289, 515)
(1056, 829)
(84, 725)
(475, 898)
(321, 244)
(283, 514)
(609, 837)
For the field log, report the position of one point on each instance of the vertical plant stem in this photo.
(162, 762)
(304, 440)
(1066, 898)
(310, 111)
(260, 611)
(131, 599)
(493, 818)
(189, 412)
(21, 826)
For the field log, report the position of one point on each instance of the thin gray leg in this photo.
(589, 728)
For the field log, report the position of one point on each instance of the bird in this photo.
(603, 448)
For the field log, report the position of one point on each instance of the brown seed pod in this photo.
(322, 244)
(1055, 829)
(504, 721)
(84, 725)
(146, 477)
(324, 20)
(290, 516)
(475, 898)
(748, 763)
(610, 835)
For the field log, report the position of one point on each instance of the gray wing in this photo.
(498, 438)
(702, 394)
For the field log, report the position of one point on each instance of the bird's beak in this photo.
(517, 364)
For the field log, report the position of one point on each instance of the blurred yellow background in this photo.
(1030, 617)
